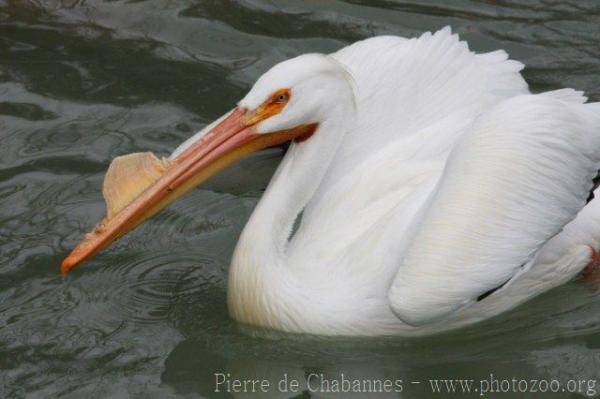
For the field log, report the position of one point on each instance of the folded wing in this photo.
(512, 182)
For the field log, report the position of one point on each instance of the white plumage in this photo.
(434, 178)
(518, 175)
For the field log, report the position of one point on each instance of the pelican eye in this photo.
(272, 106)
(282, 98)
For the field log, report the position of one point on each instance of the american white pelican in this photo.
(429, 188)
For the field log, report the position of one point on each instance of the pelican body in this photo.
(429, 187)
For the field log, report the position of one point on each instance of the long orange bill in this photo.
(139, 185)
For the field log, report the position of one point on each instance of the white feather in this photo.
(522, 172)
(385, 205)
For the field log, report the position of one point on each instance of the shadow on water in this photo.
(552, 338)
(84, 81)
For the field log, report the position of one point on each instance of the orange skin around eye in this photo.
(270, 107)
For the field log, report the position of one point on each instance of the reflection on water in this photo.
(84, 81)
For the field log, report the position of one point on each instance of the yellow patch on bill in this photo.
(128, 176)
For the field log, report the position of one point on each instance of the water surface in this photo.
(84, 81)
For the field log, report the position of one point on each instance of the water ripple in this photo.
(84, 81)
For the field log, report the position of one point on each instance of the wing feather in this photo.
(406, 85)
(522, 172)
(415, 98)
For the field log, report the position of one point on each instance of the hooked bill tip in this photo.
(67, 264)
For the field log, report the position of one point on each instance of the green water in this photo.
(84, 81)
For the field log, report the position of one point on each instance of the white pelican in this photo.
(429, 188)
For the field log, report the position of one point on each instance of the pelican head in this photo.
(296, 92)
(287, 103)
